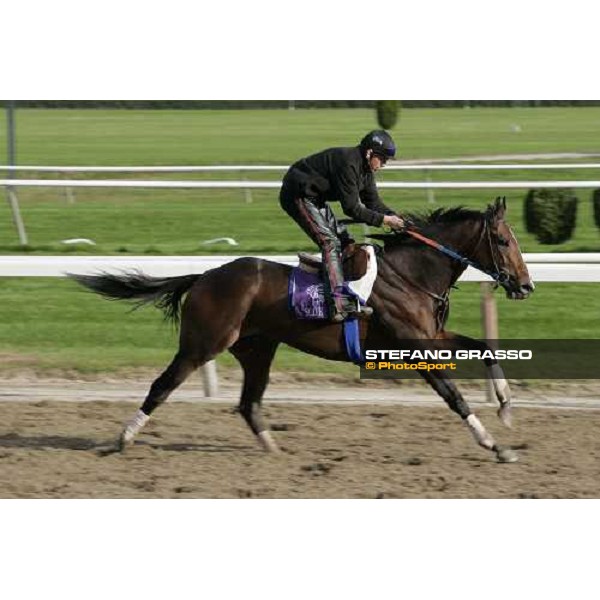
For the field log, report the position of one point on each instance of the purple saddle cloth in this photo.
(307, 301)
(306, 296)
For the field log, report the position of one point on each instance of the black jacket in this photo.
(337, 174)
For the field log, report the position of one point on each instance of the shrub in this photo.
(596, 203)
(387, 113)
(551, 214)
(529, 215)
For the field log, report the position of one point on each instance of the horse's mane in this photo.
(444, 215)
(423, 221)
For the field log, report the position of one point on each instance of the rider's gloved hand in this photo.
(394, 221)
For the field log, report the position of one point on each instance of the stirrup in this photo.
(364, 313)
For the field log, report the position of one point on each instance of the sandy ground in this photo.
(52, 449)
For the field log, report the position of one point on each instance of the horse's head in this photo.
(500, 252)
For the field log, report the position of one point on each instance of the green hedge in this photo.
(551, 214)
(387, 113)
(596, 203)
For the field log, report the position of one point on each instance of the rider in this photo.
(344, 175)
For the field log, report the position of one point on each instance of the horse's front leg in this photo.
(453, 398)
(495, 372)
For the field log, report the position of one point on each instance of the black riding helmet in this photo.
(380, 142)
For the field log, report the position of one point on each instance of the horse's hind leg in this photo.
(209, 326)
(255, 355)
(172, 377)
(453, 398)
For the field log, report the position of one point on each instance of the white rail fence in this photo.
(123, 183)
(543, 267)
(11, 183)
(242, 168)
(572, 268)
(248, 185)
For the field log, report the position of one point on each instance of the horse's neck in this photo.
(429, 268)
(463, 236)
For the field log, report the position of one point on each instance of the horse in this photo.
(242, 307)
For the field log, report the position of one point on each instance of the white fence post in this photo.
(430, 192)
(247, 193)
(69, 194)
(16, 213)
(489, 321)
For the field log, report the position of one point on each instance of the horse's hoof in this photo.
(107, 450)
(123, 444)
(505, 415)
(506, 455)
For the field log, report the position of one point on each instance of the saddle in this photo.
(355, 261)
(306, 296)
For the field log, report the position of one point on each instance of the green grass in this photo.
(127, 137)
(175, 221)
(50, 324)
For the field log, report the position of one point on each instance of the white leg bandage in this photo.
(134, 425)
(482, 437)
(267, 441)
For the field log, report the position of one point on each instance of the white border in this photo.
(313, 50)
(298, 549)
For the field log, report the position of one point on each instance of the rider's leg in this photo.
(317, 220)
(344, 238)
(343, 235)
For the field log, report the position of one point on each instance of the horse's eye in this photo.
(502, 241)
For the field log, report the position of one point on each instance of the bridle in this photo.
(503, 275)
(499, 275)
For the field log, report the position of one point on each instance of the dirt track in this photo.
(51, 450)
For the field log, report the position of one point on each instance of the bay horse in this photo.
(242, 307)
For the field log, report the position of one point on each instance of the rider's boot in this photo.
(339, 306)
(364, 313)
(340, 303)
(338, 317)
(343, 305)
(333, 281)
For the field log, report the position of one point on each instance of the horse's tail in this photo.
(165, 293)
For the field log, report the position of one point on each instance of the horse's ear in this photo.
(499, 207)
